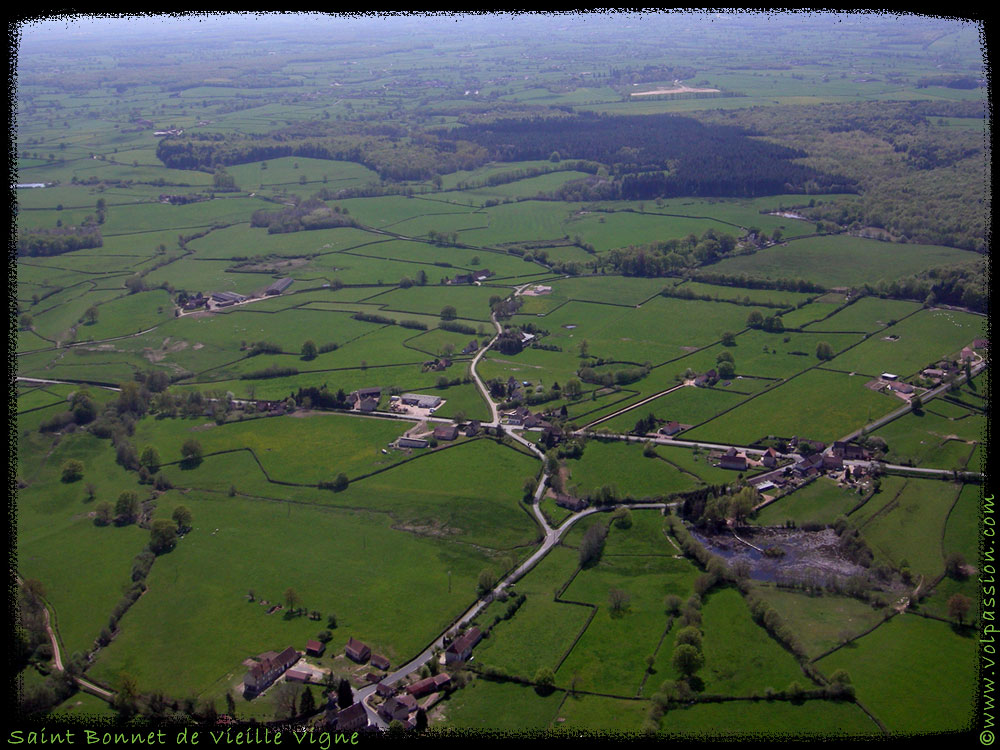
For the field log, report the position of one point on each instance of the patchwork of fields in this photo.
(219, 453)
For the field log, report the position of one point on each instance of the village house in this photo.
(357, 651)
(352, 719)
(429, 685)
(397, 708)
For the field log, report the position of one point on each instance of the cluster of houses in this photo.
(816, 461)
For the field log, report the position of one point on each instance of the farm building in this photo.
(278, 286)
(421, 401)
(225, 299)
(770, 459)
(409, 442)
(315, 648)
(380, 662)
(357, 651)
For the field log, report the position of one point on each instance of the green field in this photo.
(903, 692)
(646, 194)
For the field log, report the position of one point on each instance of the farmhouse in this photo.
(357, 651)
(446, 432)
(269, 668)
(900, 387)
(733, 460)
(461, 648)
(848, 451)
(770, 459)
(670, 428)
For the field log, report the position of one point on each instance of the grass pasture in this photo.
(903, 692)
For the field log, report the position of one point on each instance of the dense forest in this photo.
(919, 179)
(658, 155)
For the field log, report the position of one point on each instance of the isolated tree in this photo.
(182, 517)
(622, 518)
(191, 451)
(103, 513)
(755, 319)
(448, 312)
(309, 350)
(545, 680)
(162, 536)
(954, 566)
(729, 338)
(824, 351)
(292, 598)
(90, 315)
(619, 600)
(726, 370)
(958, 607)
(341, 482)
(584, 348)
(72, 470)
